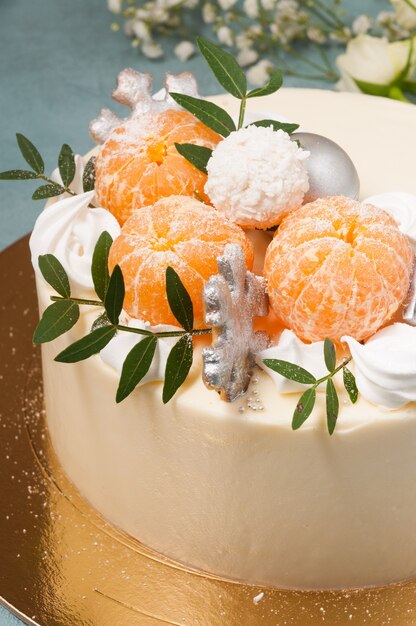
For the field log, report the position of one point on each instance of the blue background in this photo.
(58, 63)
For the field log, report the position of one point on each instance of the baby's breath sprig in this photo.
(64, 312)
(307, 400)
(66, 167)
(232, 78)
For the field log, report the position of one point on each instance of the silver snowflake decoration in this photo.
(134, 90)
(232, 299)
(409, 313)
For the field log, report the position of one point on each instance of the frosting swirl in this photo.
(385, 366)
(69, 229)
(402, 207)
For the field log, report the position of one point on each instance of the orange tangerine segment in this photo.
(337, 267)
(178, 232)
(139, 164)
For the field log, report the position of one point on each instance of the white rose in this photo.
(373, 60)
(405, 11)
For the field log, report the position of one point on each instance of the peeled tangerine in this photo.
(138, 164)
(337, 267)
(179, 232)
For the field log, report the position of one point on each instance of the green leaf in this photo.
(177, 366)
(372, 89)
(66, 164)
(136, 366)
(225, 68)
(274, 84)
(30, 154)
(179, 300)
(53, 272)
(48, 191)
(87, 346)
(330, 355)
(18, 175)
(113, 301)
(56, 320)
(350, 384)
(285, 126)
(99, 267)
(290, 371)
(88, 177)
(208, 113)
(101, 321)
(304, 408)
(332, 405)
(197, 155)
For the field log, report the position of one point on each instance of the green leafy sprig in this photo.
(66, 166)
(306, 402)
(232, 78)
(64, 312)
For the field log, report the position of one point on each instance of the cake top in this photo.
(157, 229)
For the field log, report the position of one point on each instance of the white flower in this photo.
(247, 56)
(373, 60)
(316, 35)
(115, 5)
(141, 30)
(152, 50)
(268, 5)
(208, 13)
(256, 175)
(361, 25)
(225, 35)
(405, 13)
(184, 50)
(260, 73)
(226, 4)
(251, 7)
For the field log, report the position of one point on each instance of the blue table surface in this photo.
(58, 63)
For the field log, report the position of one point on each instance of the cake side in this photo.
(239, 495)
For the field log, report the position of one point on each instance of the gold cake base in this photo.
(62, 564)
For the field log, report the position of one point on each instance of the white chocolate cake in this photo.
(234, 488)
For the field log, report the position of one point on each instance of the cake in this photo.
(277, 479)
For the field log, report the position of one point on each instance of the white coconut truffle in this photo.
(256, 176)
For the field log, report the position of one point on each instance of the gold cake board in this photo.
(62, 564)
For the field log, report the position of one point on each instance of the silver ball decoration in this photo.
(331, 171)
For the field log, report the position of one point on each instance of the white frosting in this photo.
(402, 207)
(385, 366)
(290, 348)
(116, 351)
(69, 229)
